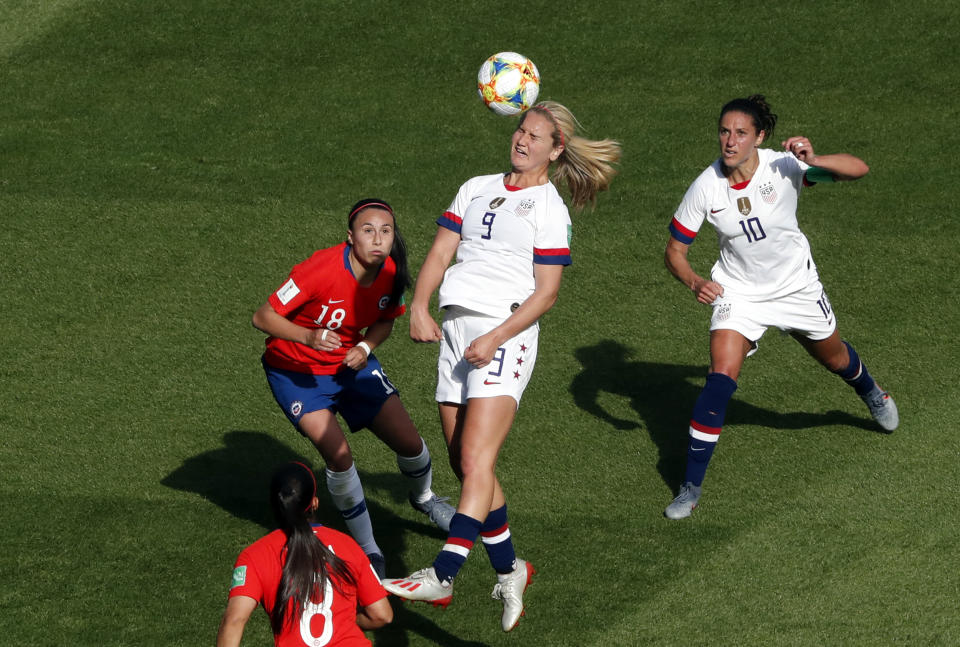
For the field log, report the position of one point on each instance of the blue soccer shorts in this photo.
(357, 396)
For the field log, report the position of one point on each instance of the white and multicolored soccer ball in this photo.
(508, 83)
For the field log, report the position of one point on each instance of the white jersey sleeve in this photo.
(694, 207)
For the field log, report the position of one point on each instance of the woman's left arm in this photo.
(843, 166)
(239, 609)
(547, 286)
(375, 335)
(373, 616)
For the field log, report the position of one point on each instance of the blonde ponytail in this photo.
(585, 165)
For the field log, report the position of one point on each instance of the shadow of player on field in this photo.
(663, 396)
(236, 478)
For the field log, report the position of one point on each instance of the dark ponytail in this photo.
(309, 564)
(758, 109)
(401, 280)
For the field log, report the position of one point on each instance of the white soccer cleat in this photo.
(686, 501)
(882, 408)
(509, 589)
(422, 586)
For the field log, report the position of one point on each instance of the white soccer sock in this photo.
(420, 472)
(347, 494)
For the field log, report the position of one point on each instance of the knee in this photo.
(474, 466)
(339, 460)
(411, 444)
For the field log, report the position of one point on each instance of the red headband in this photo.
(380, 205)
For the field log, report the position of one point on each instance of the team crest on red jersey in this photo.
(743, 204)
(768, 193)
(384, 300)
(496, 202)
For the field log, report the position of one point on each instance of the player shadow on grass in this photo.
(236, 477)
(663, 396)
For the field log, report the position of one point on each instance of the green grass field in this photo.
(164, 164)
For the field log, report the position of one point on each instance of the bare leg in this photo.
(830, 352)
(343, 482)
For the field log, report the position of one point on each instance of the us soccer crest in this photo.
(722, 313)
(525, 207)
(743, 204)
(768, 193)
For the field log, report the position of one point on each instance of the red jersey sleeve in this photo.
(297, 290)
(369, 588)
(248, 580)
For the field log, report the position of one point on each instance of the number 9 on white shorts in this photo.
(507, 374)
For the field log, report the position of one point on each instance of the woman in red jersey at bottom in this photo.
(315, 583)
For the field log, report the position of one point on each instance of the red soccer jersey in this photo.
(333, 621)
(323, 292)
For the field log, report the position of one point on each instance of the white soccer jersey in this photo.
(763, 253)
(503, 232)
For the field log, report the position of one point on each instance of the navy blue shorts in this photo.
(358, 396)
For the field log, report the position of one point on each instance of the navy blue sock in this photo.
(495, 534)
(856, 374)
(463, 533)
(708, 414)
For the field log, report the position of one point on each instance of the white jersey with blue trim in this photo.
(503, 231)
(763, 253)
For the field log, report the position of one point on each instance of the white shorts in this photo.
(806, 312)
(508, 373)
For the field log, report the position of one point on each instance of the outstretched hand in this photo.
(801, 148)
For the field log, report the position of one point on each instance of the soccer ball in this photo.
(508, 83)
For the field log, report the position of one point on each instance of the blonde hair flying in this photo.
(585, 165)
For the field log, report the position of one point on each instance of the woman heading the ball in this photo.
(315, 583)
(323, 324)
(765, 275)
(510, 234)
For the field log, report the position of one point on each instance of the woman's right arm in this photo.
(423, 328)
(239, 610)
(376, 615)
(268, 320)
(675, 258)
